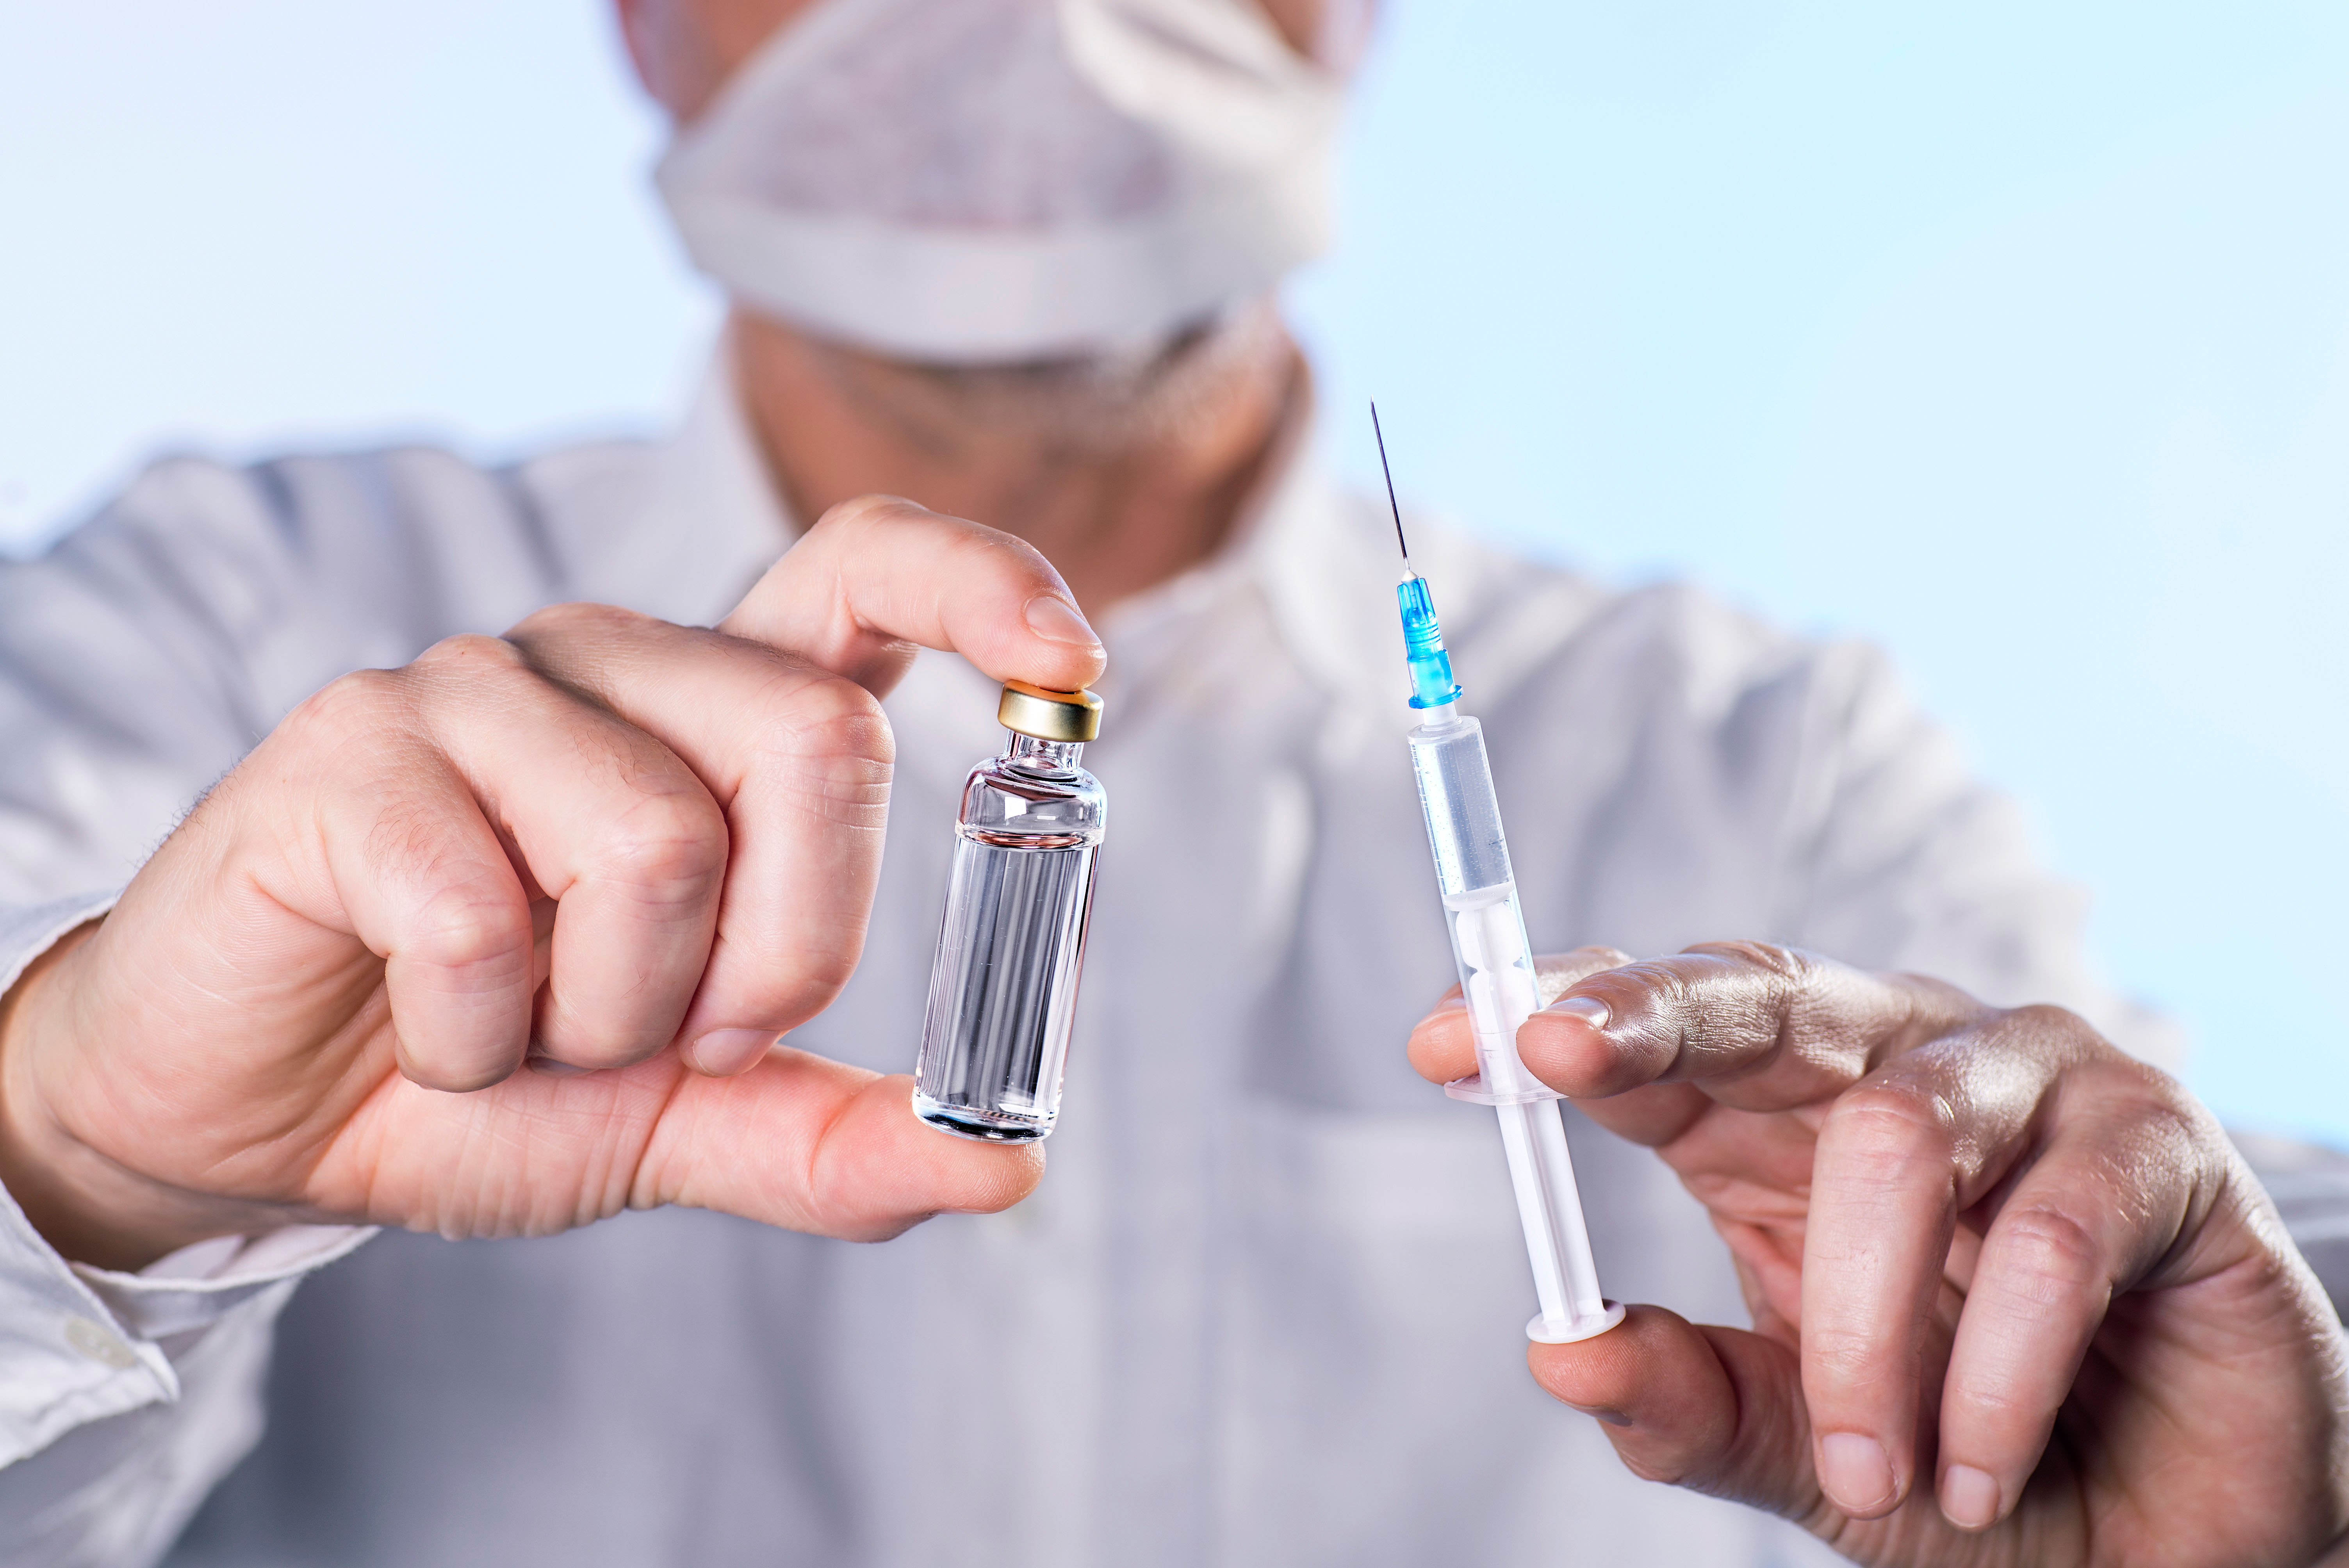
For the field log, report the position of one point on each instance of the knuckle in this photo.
(2150, 1096)
(362, 704)
(1784, 962)
(862, 510)
(2053, 1018)
(1661, 980)
(2154, 1131)
(2045, 1253)
(673, 843)
(468, 656)
(568, 643)
(1560, 974)
(830, 737)
(1846, 1358)
(834, 708)
(1733, 998)
(2071, 1036)
(466, 924)
(2161, 1109)
(578, 618)
(1894, 1121)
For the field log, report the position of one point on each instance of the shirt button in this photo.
(100, 1344)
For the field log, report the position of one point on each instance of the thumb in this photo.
(1717, 1411)
(819, 1146)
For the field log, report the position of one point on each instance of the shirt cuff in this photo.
(194, 1287)
(79, 1344)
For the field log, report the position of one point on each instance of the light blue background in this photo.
(2014, 338)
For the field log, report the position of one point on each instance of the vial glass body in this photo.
(1003, 989)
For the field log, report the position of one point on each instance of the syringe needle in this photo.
(1389, 473)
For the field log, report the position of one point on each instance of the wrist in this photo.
(44, 1168)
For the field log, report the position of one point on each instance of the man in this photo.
(495, 939)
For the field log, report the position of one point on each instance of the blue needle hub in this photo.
(1431, 684)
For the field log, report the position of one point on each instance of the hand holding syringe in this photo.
(1496, 972)
(2049, 1393)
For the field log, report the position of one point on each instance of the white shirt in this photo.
(1267, 1306)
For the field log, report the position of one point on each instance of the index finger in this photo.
(1443, 1045)
(1755, 1027)
(878, 576)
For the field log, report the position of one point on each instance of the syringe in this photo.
(1496, 970)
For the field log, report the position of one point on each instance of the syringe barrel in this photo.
(1456, 791)
(1480, 901)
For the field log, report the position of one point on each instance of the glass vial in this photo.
(1003, 989)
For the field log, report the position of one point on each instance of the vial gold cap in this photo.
(1047, 715)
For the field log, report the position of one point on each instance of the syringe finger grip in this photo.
(1496, 980)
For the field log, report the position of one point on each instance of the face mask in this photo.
(965, 182)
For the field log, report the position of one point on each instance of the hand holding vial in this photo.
(503, 941)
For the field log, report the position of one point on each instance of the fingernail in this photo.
(722, 1053)
(1969, 1497)
(1854, 1472)
(1056, 620)
(1611, 1416)
(1590, 1009)
(554, 1069)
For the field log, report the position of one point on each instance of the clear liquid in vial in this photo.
(1003, 989)
(1003, 995)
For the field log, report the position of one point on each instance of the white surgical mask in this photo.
(966, 181)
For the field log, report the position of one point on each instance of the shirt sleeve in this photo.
(124, 1397)
(139, 659)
